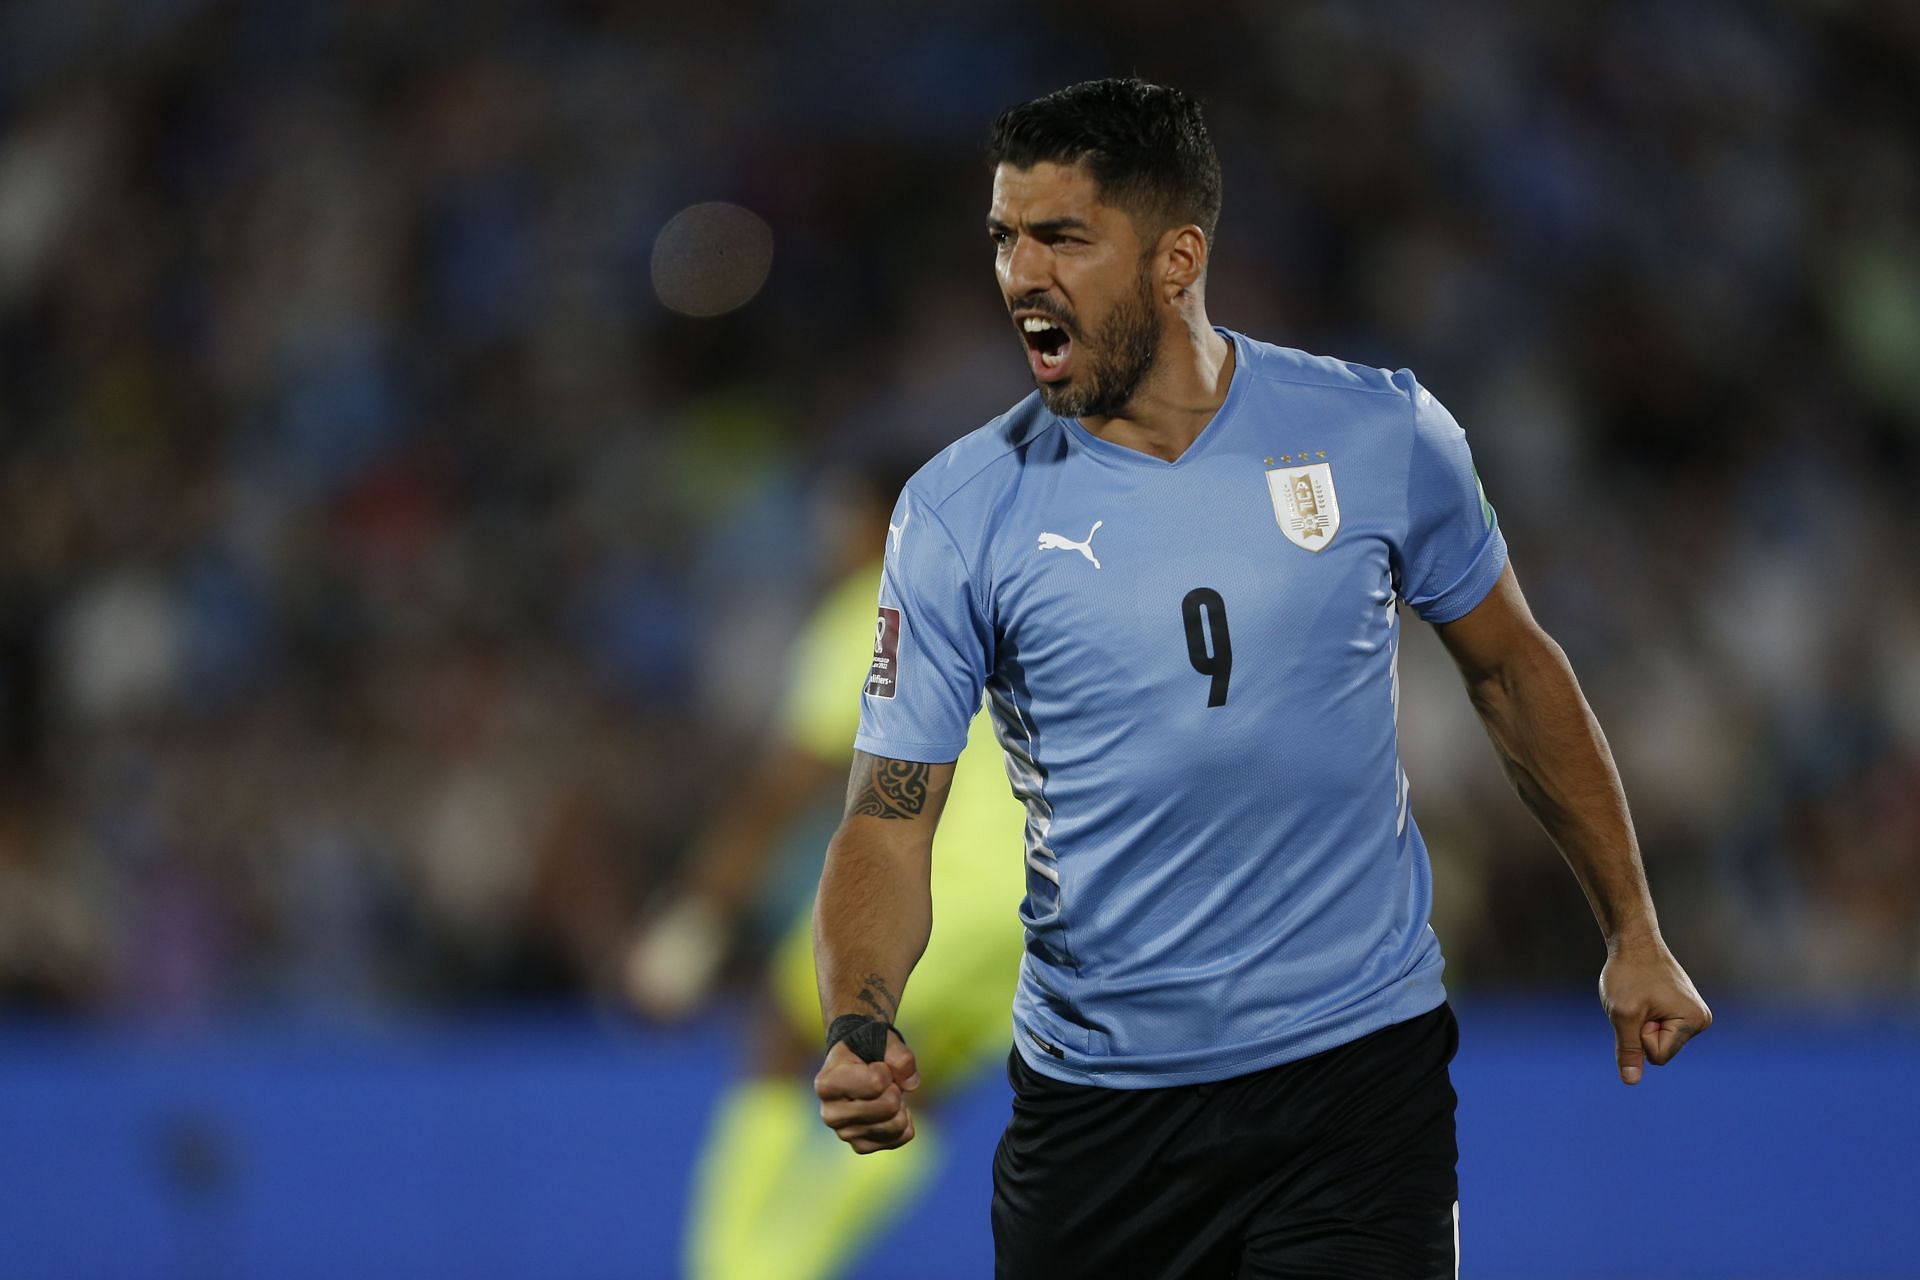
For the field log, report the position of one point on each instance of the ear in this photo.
(1182, 255)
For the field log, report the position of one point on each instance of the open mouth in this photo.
(1048, 346)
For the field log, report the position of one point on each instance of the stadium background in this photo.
(397, 562)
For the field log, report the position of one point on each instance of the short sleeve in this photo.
(930, 644)
(1454, 551)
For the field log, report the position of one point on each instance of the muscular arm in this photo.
(1557, 758)
(871, 922)
(1554, 754)
(874, 912)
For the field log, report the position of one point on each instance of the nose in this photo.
(1026, 268)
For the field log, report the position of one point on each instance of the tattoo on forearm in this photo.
(888, 788)
(876, 997)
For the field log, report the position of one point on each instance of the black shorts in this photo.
(1341, 1164)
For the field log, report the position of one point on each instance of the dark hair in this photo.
(1145, 145)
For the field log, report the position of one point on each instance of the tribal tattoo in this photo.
(883, 788)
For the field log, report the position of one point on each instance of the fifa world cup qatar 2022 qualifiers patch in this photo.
(882, 677)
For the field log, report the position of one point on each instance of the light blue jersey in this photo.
(1191, 667)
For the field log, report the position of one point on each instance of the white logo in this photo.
(1305, 504)
(894, 531)
(1054, 542)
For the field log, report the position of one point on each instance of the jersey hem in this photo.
(1470, 588)
(1414, 1000)
(918, 752)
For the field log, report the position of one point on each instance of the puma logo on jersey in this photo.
(1055, 542)
(894, 531)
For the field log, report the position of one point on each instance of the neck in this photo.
(1178, 397)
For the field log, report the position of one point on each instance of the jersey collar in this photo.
(1119, 453)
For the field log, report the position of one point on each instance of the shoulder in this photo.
(1387, 406)
(980, 467)
(1285, 369)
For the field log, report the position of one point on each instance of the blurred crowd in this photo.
(391, 586)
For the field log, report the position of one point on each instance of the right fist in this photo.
(865, 1103)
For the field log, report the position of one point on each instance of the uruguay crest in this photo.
(1305, 504)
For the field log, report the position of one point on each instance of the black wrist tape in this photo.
(865, 1036)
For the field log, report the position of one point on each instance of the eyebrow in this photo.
(1050, 226)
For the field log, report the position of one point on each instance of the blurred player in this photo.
(1177, 571)
(776, 1198)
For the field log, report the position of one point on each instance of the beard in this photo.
(1117, 360)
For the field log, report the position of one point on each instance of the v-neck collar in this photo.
(1120, 453)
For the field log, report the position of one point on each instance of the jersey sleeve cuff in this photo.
(918, 752)
(1471, 587)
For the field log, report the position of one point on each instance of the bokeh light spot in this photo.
(711, 259)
